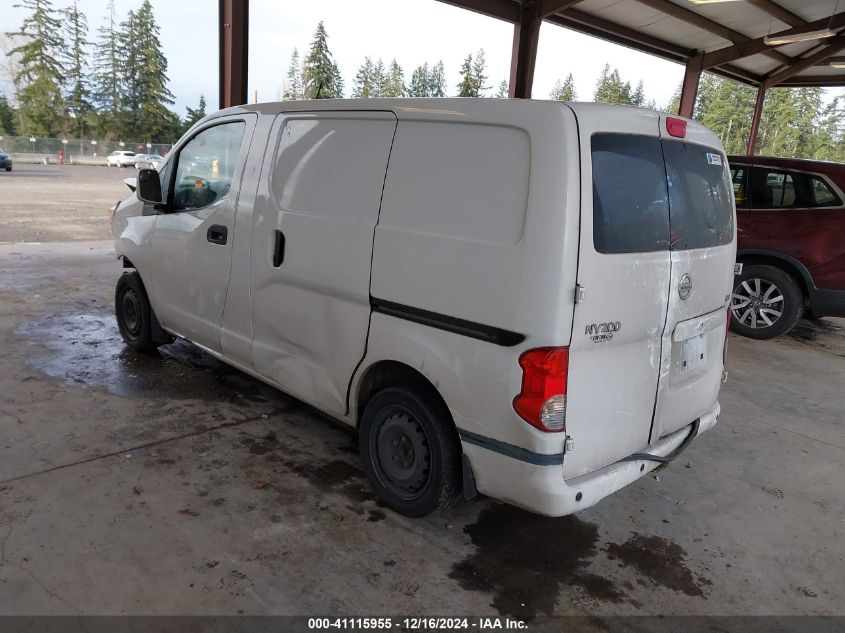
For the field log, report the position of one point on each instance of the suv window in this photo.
(739, 176)
(206, 166)
(821, 193)
(630, 209)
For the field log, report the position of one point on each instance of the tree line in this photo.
(63, 83)
(117, 87)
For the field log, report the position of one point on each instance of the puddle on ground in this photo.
(85, 349)
(662, 561)
(821, 333)
(524, 559)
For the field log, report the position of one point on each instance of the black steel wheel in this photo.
(133, 313)
(410, 450)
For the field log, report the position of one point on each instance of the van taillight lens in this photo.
(676, 127)
(542, 400)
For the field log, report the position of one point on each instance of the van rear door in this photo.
(624, 272)
(703, 252)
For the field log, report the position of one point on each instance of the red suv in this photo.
(790, 241)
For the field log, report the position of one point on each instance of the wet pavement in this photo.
(174, 484)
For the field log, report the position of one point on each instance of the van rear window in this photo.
(653, 195)
(630, 209)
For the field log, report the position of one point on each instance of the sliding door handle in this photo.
(279, 249)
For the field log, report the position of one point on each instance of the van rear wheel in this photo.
(410, 450)
(766, 302)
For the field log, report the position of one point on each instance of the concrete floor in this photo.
(175, 485)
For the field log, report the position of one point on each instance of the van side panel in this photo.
(507, 261)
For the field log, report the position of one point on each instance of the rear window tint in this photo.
(630, 210)
(822, 194)
(700, 196)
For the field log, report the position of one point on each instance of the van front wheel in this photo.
(134, 314)
(410, 450)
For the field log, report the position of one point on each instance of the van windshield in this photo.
(653, 195)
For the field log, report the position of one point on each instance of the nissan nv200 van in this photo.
(523, 299)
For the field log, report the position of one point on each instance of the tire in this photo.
(134, 314)
(8, 169)
(410, 450)
(766, 302)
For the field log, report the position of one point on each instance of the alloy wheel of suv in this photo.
(765, 303)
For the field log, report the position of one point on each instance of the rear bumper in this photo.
(542, 489)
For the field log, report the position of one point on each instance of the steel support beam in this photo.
(234, 47)
(689, 88)
(755, 120)
(526, 35)
(834, 45)
(777, 11)
(550, 7)
(753, 47)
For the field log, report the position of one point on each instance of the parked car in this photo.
(791, 243)
(5, 161)
(147, 161)
(503, 310)
(120, 158)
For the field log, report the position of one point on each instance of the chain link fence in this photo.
(80, 151)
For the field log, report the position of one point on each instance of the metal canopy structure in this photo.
(738, 39)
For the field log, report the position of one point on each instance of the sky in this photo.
(412, 31)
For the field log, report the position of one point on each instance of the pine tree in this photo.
(78, 95)
(41, 73)
(502, 92)
(319, 71)
(638, 96)
(363, 86)
(293, 87)
(337, 86)
(564, 91)
(610, 88)
(420, 82)
(467, 86)
(437, 81)
(194, 115)
(479, 68)
(394, 85)
(107, 90)
(379, 78)
(8, 118)
(146, 95)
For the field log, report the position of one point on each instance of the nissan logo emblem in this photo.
(685, 287)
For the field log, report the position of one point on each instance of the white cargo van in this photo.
(524, 299)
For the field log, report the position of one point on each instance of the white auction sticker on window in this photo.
(714, 159)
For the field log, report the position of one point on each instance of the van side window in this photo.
(206, 166)
(630, 208)
(739, 176)
(821, 193)
(350, 153)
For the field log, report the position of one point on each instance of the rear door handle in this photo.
(217, 234)
(279, 249)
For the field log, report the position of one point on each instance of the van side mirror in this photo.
(149, 186)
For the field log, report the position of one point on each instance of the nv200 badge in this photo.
(600, 332)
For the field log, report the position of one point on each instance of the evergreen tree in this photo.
(337, 86)
(479, 68)
(502, 92)
(638, 96)
(420, 82)
(564, 91)
(437, 81)
(78, 95)
(379, 78)
(467, 86)
(319, 72)
(41, 73)
(194, 115)
(675, 102)
(146, 115)
(394, 84)
(293, 88)
(610, 88)
(107, 90)
(8, 118)
(363, 87)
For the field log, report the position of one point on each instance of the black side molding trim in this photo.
(509, 450)
(495, 335)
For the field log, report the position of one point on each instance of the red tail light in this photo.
(676, 127)
(542, 400)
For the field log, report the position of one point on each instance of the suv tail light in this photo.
(542, 400)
